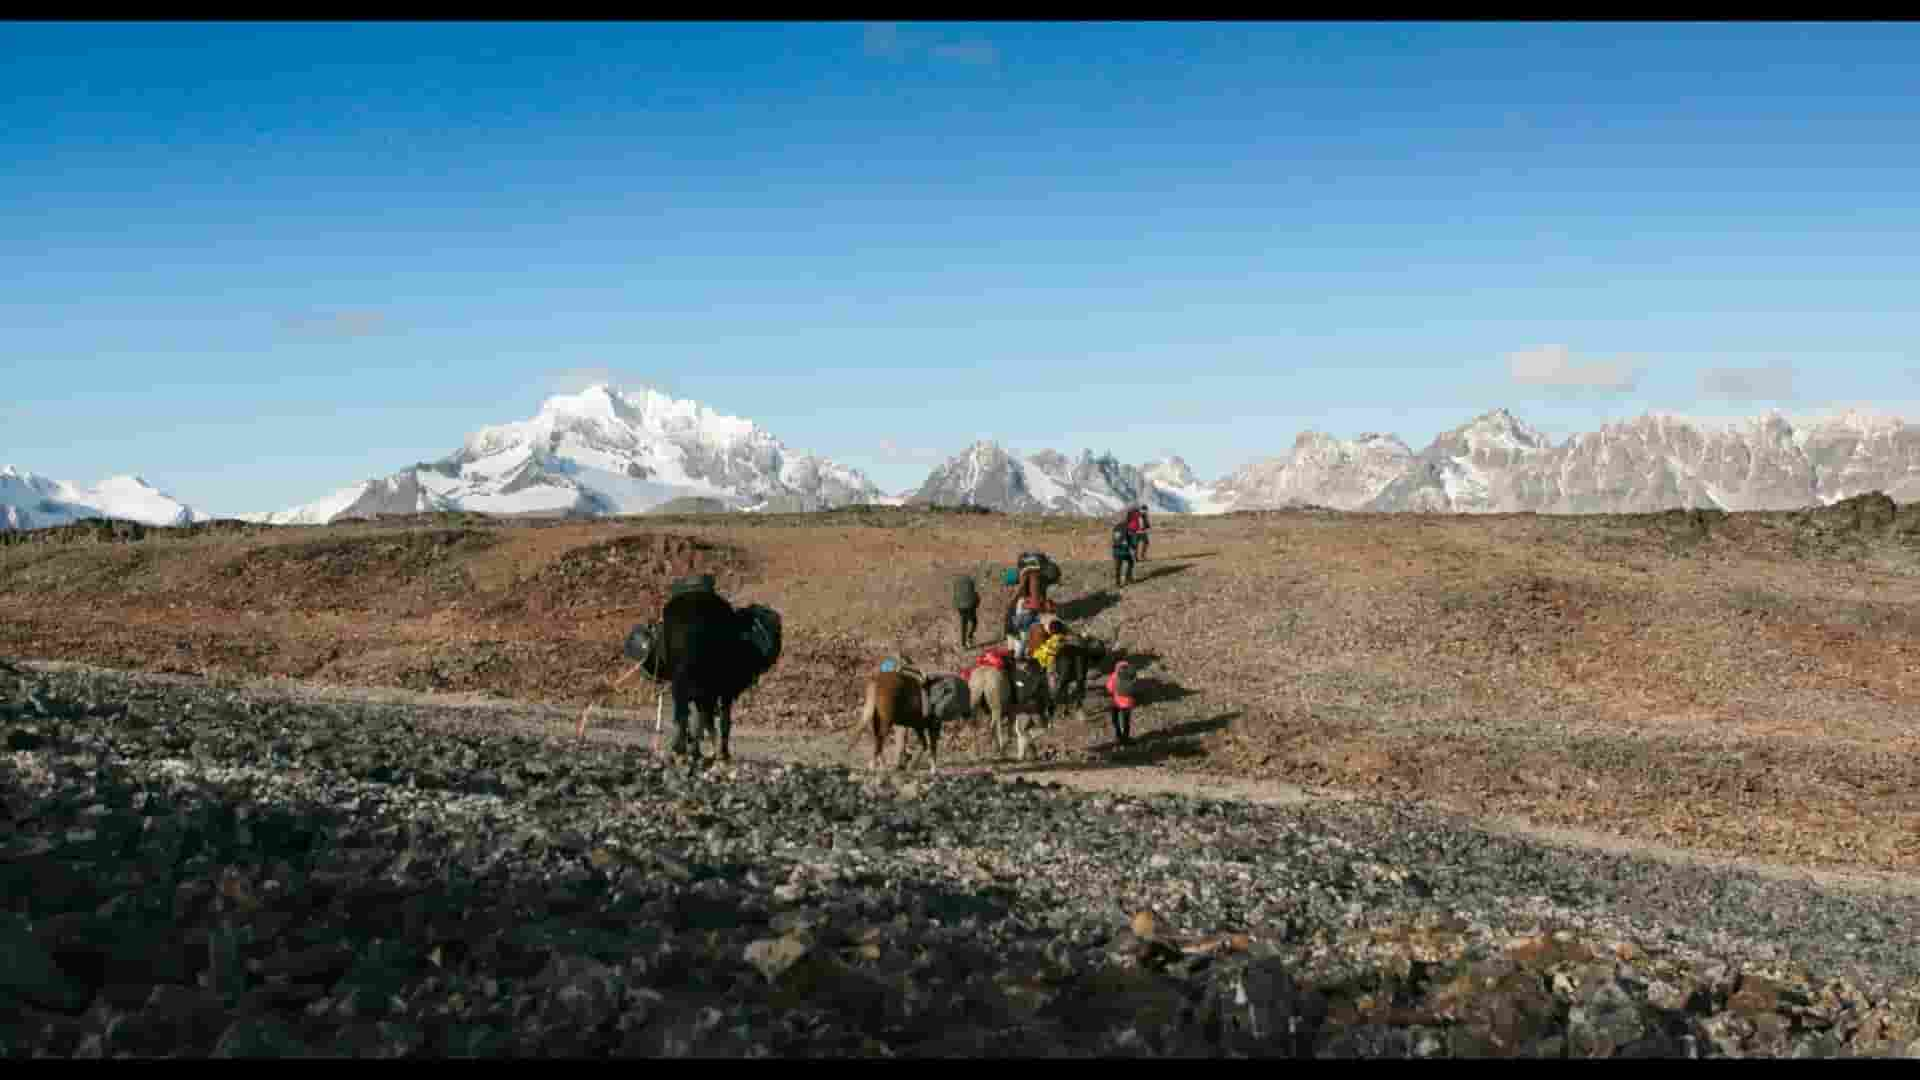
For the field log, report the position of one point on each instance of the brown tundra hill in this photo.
(1740, 684)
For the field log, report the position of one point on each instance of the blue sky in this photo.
(259, 262)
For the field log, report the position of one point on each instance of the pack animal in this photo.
(898, 702)
(990, 690)
(1079, 656)
(713, 653)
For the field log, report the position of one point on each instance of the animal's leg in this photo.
(697, 724)
(726, 729)
(899, 748)
(680, 707)
(869, 722)
(1020, 736)
(703, 710)
(999, 728)
(932, 735)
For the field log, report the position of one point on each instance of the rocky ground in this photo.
(189, 870)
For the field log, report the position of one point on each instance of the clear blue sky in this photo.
(256, 263)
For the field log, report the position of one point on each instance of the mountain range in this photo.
(1494, 463)
(605, 451)
(36, 502)
(1049, 482)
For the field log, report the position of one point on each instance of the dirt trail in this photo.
(634, 727)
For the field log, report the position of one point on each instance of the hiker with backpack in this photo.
(1137, 526)
(1122, 555)
(1120, 708)
(966, 600)
(1031, 578)
(1033, 575)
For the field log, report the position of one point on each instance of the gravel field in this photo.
(191, 870)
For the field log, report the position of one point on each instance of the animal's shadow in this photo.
(1087, 606)
(1147, 748)
(1148, 690)
(1159, 570)
(1139, 661)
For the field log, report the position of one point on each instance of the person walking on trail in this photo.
(966, 600)
(1120, 708)
(1137, 526)
(1033, 586)
(1122, 555)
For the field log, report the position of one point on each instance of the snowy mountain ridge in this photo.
(602, 451)
(28, 501)
(1492, 463)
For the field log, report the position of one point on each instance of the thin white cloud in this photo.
(1748, 384)
(1554, 365)
(337, 324)
(886, 40)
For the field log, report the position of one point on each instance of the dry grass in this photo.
(1742, 684)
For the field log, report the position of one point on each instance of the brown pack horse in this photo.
(901, 701)
(990, 690)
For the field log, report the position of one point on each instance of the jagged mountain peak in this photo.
(1052, 460)
(1046, 481)
(1501, 429)
(1321, 469)
(1171, 470)
(604, 450)
(1865, 421)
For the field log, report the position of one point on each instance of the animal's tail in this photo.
(863, 721)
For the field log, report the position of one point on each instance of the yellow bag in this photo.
(1048, 650)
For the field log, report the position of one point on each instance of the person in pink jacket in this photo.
(1120, 690)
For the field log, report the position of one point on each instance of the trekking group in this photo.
(708, 653)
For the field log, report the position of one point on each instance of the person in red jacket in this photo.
(1137, 526)
(1120, 690)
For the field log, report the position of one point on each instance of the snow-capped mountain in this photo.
(1049, 482)
(28, 501)
(1658, 462)
(1493, 463)
(603, 451)
(1476, 467)
(1175, 488)
(1320, 470)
